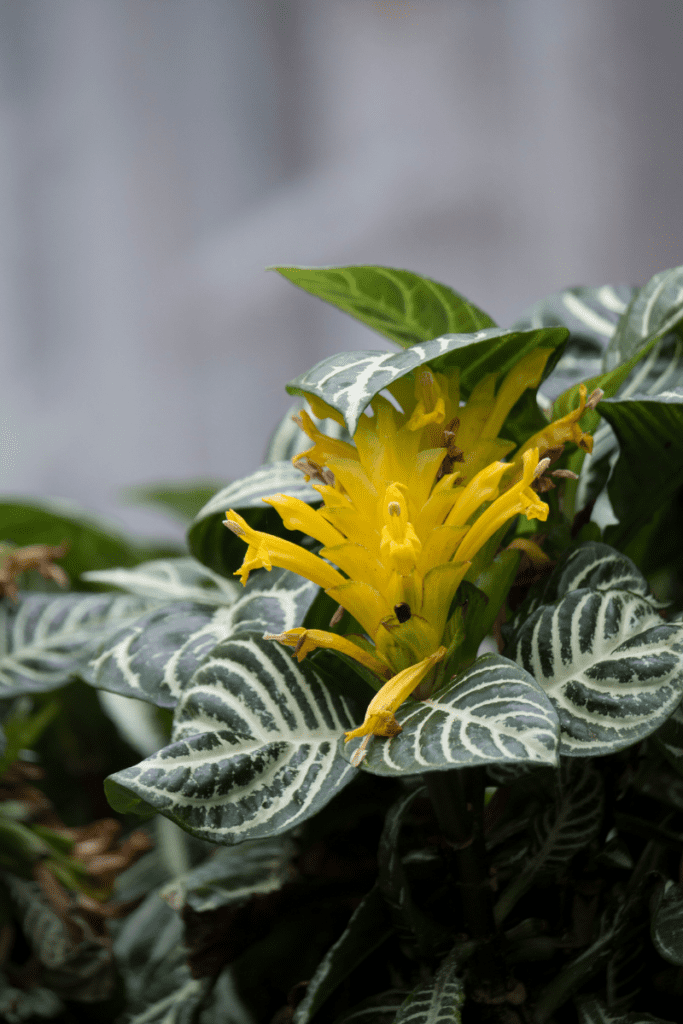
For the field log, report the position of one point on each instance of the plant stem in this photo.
(458, 800)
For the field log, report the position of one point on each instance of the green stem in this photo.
(458, 800)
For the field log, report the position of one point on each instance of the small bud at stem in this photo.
(337, 617)
(541, 468)
(235, 527)
(594, 397)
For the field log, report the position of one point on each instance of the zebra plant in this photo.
(420, 678)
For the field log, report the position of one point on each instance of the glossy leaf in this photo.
(367, 929)
(654, 310)
(254, 748)
(219, 549)
(667, 924)
(154, 656)
(403, 306)
(349, 381)
(591, 315)
(233, 875)
(46, 640)
(611, 667)
(494, 712)
(171, 579)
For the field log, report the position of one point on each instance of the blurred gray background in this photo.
(157, 155)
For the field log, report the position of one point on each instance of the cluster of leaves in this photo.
(529, 866)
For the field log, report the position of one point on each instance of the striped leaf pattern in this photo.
(438, 1001)
(570, 823)
(170, 579)
(253, 751)
(379, 1009)
(350, 380)
(218, 548)
(667, 924)
(403, 306)
(654, 310)
(495, 712)
(155, 656)
(233, 875)
(592, 1011)
(47, 639)
(611, 667)
(592, 315)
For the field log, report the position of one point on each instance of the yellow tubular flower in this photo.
(405, 509)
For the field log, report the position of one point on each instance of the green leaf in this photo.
(254, 748)
(233, 875)
(93, 543)
(367, 929)
(404, 307)
(171, 579)
(349, 381)
(492, 713)
(593, 1011)
(155, 656)
(654, 310)
(23, 730)
(611, 667)
(182, 500)
(667, 923)
(591, 315)
(27, 1004)
(560, 831)
(438, 1000)
(46, 639)
(216, 546)
(379, 1009)
(650, 465)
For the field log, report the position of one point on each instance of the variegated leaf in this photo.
(595, 566)
(254, 752)
(591, 314)
(218, 548)
(46, 639)
(289, 440)
(233, 875)
(593, 1011)
(494, 712)
(171, 579)
(654, 310)
(155, 656)
(367, 929)
(379, 1009)
(611, 667)
(403, 306)
(436, 1001)
(667, 924)
(350, 380)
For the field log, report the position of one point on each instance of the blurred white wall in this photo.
(156, 155)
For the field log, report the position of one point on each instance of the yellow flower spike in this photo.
(306, 640)
(297, 515)
(265, 551)
(559, 432)
(525, 374)
(483, 487)
(379, 718)
(400, 546)
(431, 407)
(323, 446)
(517, 499)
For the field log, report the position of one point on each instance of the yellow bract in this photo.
(405, 509)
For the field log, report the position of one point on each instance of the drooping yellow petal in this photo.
(324, 411)
(560, 432)
(483, 487)
(379, 717)
(306, 640)
(297, 515)
(265, 551)
(323, 446)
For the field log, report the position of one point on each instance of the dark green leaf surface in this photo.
(403, 306)
(436, 1001)
(254, 748)
(494, 712)
(46, 640)
(154, 656)
(593, 1011)
(349, 381)
(368, 927)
